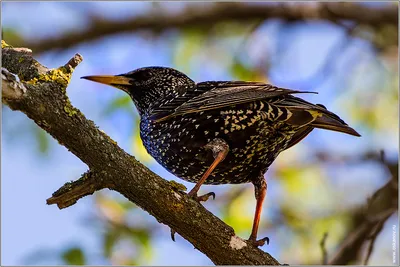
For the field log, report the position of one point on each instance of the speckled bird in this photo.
(219, 132)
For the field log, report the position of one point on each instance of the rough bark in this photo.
(44, 100)
(206, 17)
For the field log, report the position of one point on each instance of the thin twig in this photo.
(372, 239)
(323, 249)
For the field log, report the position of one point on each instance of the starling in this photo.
(219, 132)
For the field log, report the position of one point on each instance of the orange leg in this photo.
(260, 188)
(220, 149)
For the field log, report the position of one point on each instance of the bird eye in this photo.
(143, 75)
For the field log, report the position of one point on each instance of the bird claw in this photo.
(173, 234)
(259, 243)
(205, 197)
(202, 198)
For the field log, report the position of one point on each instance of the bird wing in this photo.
(299, 135)
(215, 95)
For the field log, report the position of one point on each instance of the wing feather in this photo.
(225, 93)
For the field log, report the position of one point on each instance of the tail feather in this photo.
(331, 121)
(316, 116)
(328, 123)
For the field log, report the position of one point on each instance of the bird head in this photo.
(148, 87)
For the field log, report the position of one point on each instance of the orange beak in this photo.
(109, 79)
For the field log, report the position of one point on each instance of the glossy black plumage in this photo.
(256, 120)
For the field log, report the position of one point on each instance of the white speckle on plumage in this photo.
(246, 147)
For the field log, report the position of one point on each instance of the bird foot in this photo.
(258, 243)
(173, 234)
(202, 198)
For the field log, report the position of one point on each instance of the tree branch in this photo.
(71, 192)
(12, 88)
(45, 102)
(323, 249)
(368, 224)
(194, 16)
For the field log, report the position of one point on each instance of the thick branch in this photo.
(46, 103)
(195, 16)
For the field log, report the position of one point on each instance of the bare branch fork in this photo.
(40, 93)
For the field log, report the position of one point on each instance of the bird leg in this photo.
(260, 190)
(220, 149)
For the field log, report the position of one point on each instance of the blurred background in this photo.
(347, 52)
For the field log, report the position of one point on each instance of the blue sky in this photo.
(28, 178)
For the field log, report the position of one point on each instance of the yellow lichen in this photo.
(32, 81)
(41, 108)
(178, 186)
(70, 109)
(61, 76)
(4, 44)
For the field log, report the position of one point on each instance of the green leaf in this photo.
(43, 140)
(12, 37)
(188, 46)
(74, 256)
(110, 239)
(242, 72)
(121, 102)
(246, 73)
